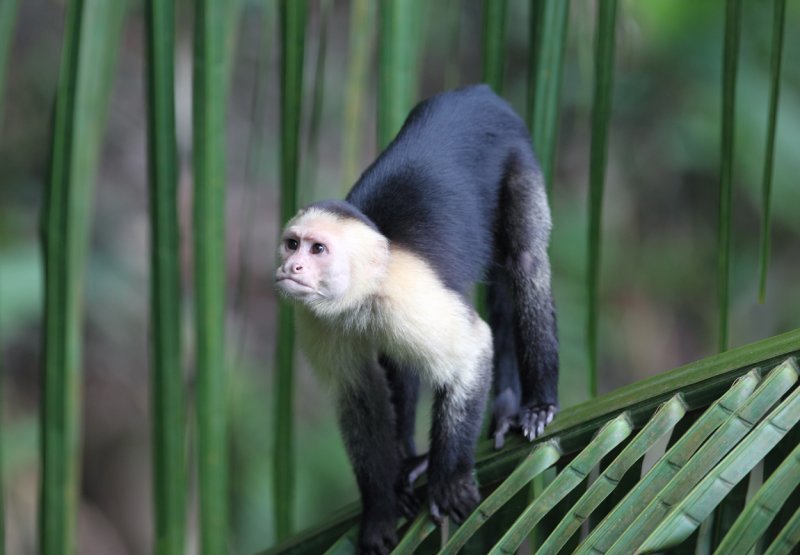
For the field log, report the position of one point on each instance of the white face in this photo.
(314, 260)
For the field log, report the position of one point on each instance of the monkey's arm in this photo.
(367, 423)
(430, 328)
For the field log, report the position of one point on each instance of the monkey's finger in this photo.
(500, 433)
(436, 514)
(419, 468)
(542, 422)
(390, 540)
(457, 514)
(530, 422)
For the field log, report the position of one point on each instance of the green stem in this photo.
(210, 77)
(167, 406)
(601, 114)
(293, 15)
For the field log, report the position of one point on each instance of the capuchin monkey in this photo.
(383, 280)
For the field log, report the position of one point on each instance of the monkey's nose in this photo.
(297, 268)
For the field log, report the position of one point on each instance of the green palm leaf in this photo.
(726, 387)
(702, 500)
(611, 435)
(761, 510)
(778, 382)
(788, 538)
(665, 469)
(540, 459)
(665, 418)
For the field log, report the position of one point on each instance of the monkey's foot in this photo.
(377, 537)
(533, 419)
(456, 499)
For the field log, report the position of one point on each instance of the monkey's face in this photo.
(314, 259)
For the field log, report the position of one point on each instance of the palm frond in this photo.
(737, 425)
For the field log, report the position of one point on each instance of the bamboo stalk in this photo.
(778, 25)
(210, 75)
(730, 63)
(8, 16)
(317, 104)
(293, 24)
(91, 37)
(395, 67)
(601, 114)
(544, 92)
(452, 72)
(362, 36)
(167, 405)
(2, 449)
(494, 37)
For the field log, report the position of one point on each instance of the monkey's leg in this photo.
(367, 422)
(505, 406)
(457, 416)
(404, 388)
(528, 230)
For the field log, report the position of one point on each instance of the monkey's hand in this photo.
(377, 537)
(454, 498)
(408, 502)
(533, 419)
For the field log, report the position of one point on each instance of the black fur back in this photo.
(436, 187)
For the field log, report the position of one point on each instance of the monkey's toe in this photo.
(456, 499)
(533, 419)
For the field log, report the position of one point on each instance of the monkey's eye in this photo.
(317, 248)
(292, 244)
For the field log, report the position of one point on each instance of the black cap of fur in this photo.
(343, 209)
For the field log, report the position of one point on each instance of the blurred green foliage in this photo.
(657, 288)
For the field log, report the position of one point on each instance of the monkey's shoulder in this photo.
(423, 321)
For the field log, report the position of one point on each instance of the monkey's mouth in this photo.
(292, 286)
